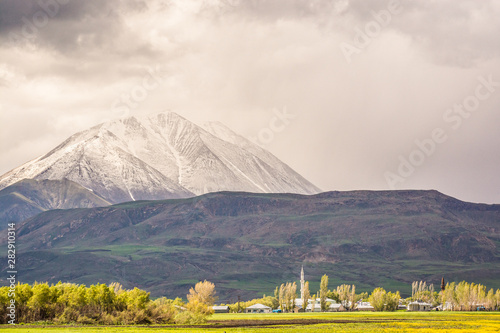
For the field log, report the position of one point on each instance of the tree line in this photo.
(65, 303)
(461, 296)
(285, 297)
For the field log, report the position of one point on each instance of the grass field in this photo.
(308, 322)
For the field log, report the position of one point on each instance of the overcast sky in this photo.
(371, 94)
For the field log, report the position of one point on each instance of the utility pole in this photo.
(239, 303)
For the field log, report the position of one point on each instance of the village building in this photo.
(336, 307)
(419, 306)
(316, 307)
(220, 308)
(258, 308)
(365, 306)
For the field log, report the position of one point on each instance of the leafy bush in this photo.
(66, 303)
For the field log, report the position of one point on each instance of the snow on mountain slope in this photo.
(99, 160)
(222, 131)
(161, 156)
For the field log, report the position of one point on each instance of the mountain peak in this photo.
(160, 156)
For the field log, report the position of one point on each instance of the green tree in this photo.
(162, 311)
(497, 299)
(281, 298)
(347, 295)
(291, 295)
(421, 291)
(361, 296)
(106, 297)
(392, 301)
(377, 299)
(306, 296)
(449, 296)
(204, 292)
(286, 296)
(463, 295)
(313, 304)
(39, 303)
(333, 294)
(199, 306)
(23, 294)
(136, 299)
(323, 292)
(490, 303)
(384, 301)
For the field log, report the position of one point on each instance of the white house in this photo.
(317, 304)
(220, 308)
(336, 307)
(365, 306)
(316, 307)
(258, 308)
(419, 306)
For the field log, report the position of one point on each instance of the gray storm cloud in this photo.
(67, 65)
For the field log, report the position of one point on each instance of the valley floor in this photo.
(307, 322)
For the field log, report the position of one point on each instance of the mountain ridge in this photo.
(247, 243)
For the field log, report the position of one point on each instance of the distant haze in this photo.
(351, 94)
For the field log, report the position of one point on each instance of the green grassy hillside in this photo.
(249, 243)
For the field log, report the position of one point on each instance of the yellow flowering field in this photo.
(307, 322)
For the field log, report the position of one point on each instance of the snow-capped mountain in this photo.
(162, 156)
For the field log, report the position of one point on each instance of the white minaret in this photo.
(302, 283)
